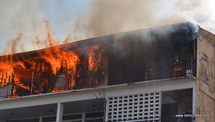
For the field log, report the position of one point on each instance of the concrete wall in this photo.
(205, 100)
(40, 105)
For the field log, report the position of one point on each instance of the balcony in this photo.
(91, 79)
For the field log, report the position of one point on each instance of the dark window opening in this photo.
(174, 103)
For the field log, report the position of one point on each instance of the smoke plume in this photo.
(113, 16)
(96, 18)
(20, 17)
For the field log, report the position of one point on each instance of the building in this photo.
(151, 75)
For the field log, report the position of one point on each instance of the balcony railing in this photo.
(90, 79)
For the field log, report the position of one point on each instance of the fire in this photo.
(53, 69)
(8, 63)
(7, 66)
(93, 61)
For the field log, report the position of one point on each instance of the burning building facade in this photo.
(156, 74)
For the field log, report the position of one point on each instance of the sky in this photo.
(25, 20)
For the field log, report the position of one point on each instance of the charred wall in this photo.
(143, 51)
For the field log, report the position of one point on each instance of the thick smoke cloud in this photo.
(113, 16)
(203, 12)
(27, 18)
(96, 17)
(20, 17)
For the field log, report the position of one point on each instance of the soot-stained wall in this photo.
(133, 54)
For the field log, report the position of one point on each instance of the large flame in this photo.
(49, 70)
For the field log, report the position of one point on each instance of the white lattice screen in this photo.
(134, 107)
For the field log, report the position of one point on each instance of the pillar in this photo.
(83, 118)
(194, 100)
(59, 116)
(41, 119)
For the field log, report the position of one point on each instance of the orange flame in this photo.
(9, 62)
(94, 60)
(32, 72)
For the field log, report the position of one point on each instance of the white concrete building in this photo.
(138, 85)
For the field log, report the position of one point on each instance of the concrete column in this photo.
(106, 106)
(194, 100)
(83, 118)
(41, 119)
(59, 116)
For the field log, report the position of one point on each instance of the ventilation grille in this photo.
(134, 107)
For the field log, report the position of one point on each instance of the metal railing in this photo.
(153, 71)
(63, 82)
(56, 83)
